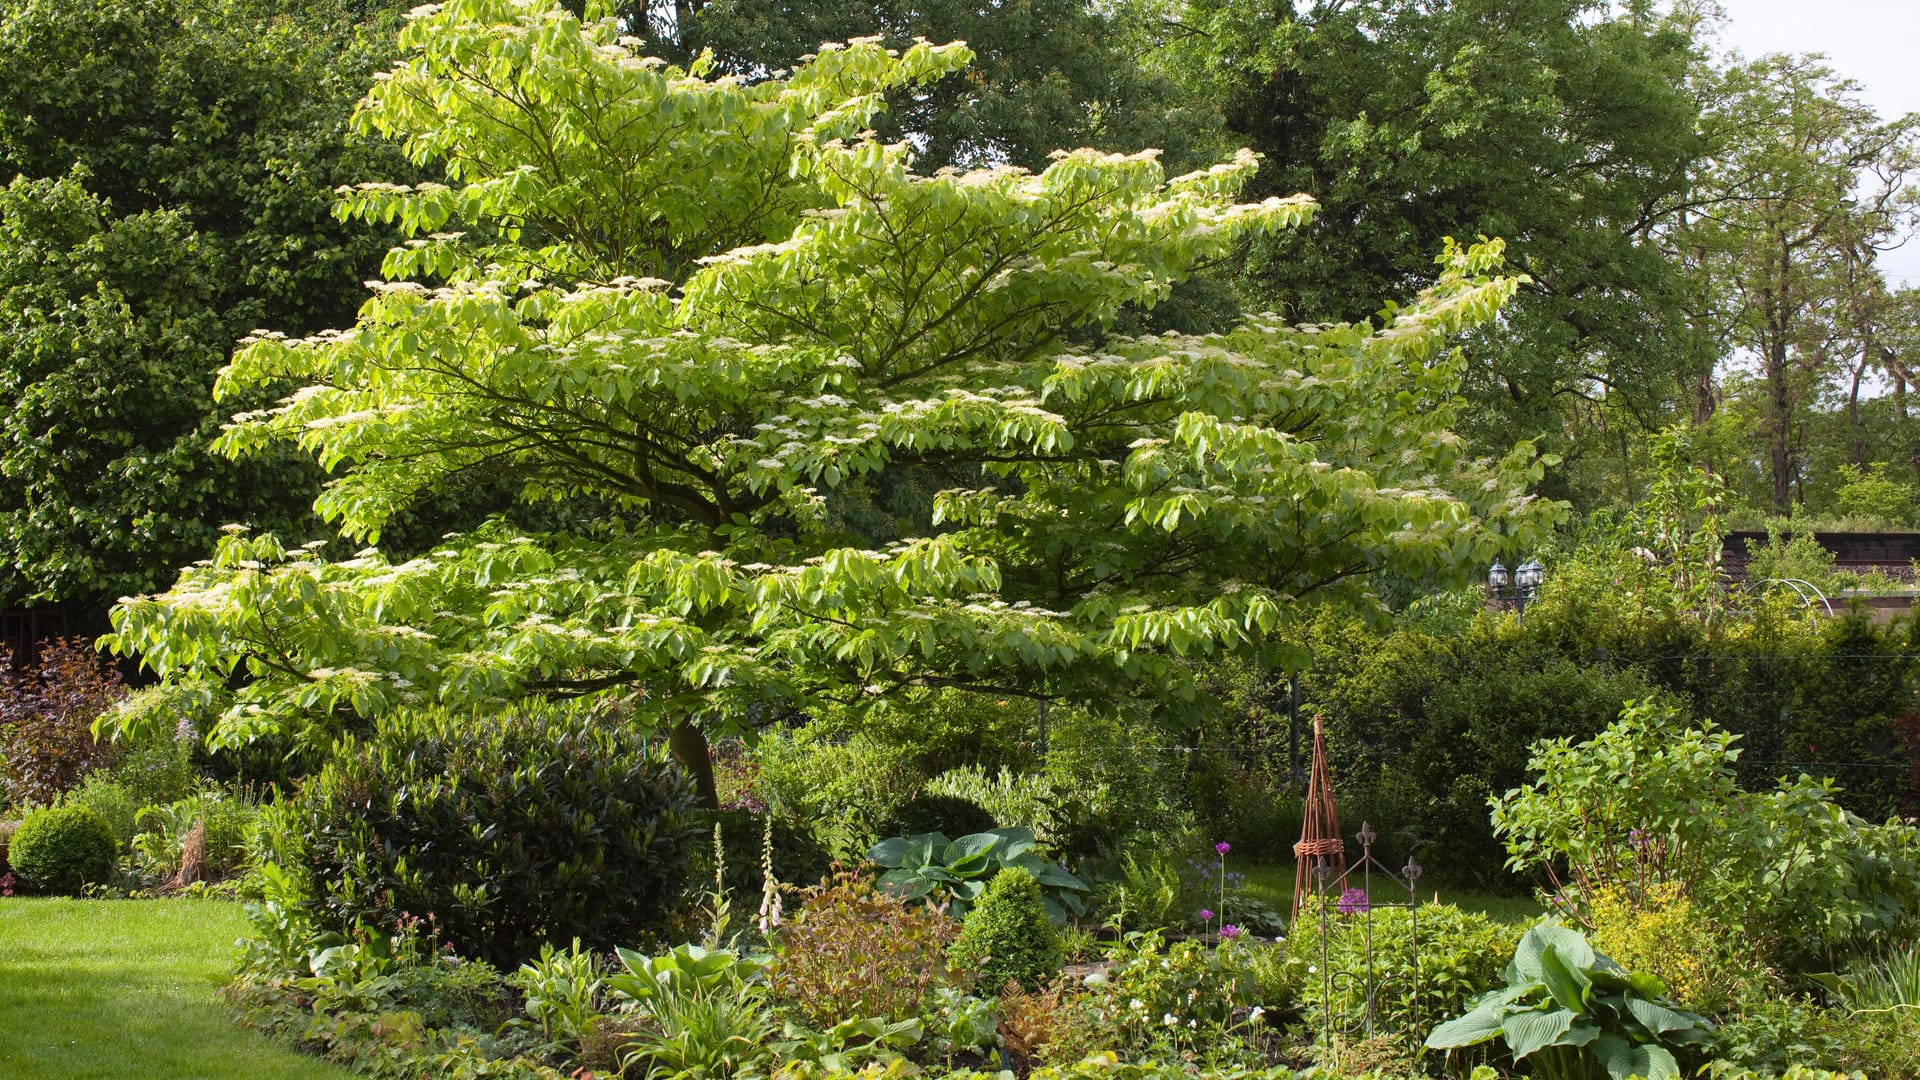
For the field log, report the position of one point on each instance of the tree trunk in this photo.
(689, 747)
(1779, 413)
(1857, 445)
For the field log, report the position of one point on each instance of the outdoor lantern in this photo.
(1497, 577)
(1529, 575)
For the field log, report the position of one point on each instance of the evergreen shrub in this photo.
(508, 831)
(62, 850)
(1007, 936)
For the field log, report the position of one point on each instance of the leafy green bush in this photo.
(1107, 790)
(112, 800)
(225, 821)
(703, 1012)
(62, 850)
(1007, 937)
(844, 792)
(1652, 801)
(955, 872)
(1660, 932)
(1572, 1014)
(1010, 799)
(1461, 954)
(856, 950)
(512, 830)
(1172, 998)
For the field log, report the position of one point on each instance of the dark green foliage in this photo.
(171, 165)
(1007, 937)
(798, 859)
(1050, 74)
(939, 813)
(510, 830)
(1415, 119)
(62, 850)
(1422, 729)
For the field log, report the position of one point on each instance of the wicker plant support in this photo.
(1320, 842)
(193, 857)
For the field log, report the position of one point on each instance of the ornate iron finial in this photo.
(1367, 837)
(1411, 872)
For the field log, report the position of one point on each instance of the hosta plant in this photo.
(955, 872)
(1569, 1013)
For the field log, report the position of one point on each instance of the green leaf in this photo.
(1476, 1027)
(1527, 1032)
(1624, 1060)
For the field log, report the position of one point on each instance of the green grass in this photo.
(106, 989)
(1272, 883)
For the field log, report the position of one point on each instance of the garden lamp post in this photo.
(1516, 587)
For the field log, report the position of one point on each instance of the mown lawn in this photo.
(110, 989)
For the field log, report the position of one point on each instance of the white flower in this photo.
(1258, 1012)
(1170, 1020)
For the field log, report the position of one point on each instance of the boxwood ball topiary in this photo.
(510, 830)
(62, 850)
(1007, 935)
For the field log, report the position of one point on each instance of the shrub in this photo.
(1007, 937)
(1663, 934)
(512, 830)
(1567, 1011)
(46, 720)
(844, 792)
(1651, 801)
(1180, 997)
(857, 951)
(1106, 788)
(62, 850)
(115, 804)
(942, 813)
(1011, 799)
(1461, 954)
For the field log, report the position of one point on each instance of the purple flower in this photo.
(1223, 847)
(1353, 901)
(1637, 838)
(1229, 931)
(1205, 915)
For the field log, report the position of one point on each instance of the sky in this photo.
(1872, 42)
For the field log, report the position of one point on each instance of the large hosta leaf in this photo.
(1530, 1031)
(1625, 1061)
(1476, 1027)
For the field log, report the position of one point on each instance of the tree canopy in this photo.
(720, 305)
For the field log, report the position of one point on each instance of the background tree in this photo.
(715, 304)
(1807, 184)
(1046, 73)
(179, 158)
(1568, 127)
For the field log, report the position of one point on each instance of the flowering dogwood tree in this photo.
(721, 307)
